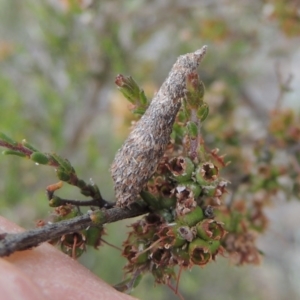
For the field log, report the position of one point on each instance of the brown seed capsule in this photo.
(138, 158)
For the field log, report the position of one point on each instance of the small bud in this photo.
(191, 218)
(131, 91)
(54, 187)
(120, 80)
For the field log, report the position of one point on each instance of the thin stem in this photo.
(99, 202)
(12, 242)
(177, 293)
(195, 142)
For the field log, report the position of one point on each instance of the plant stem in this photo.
(12, 242)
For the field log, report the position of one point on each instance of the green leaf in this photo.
(13, 152)
(192, 130)
(62, 175)
(40, 158)
(64, 163)
(7, 139)
(203, 111)
(29, 146)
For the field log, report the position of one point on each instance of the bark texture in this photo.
(137, 159)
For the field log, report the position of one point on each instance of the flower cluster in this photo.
(183, 194)
(157, 246)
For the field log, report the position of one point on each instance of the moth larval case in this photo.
(136, 161)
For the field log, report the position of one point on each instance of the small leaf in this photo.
(13, 152)
(81, 184)
(131, 91)
(64, 163)
(62, 175)
(195, 90)
(7, 139)
(139, 111)
(143, 98)
(94, 190)
(202, 112)
(29, 146)
(86, 192)
(93, 236)
(192, 130)
(40, 158)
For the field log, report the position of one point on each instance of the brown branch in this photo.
(12, 242)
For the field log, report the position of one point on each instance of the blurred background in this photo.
(58, 61)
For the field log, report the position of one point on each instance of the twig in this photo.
(99, 202)
(12, 242)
